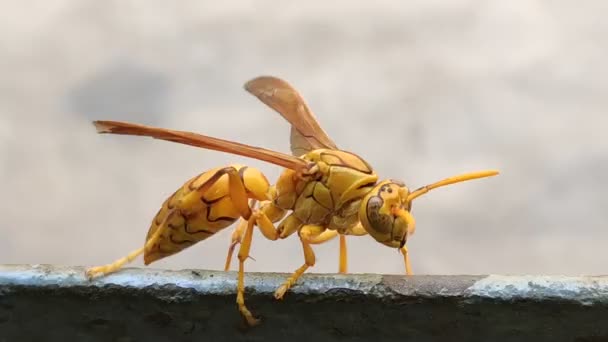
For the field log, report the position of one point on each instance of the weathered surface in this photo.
(47, 303)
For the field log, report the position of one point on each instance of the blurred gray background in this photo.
(421, 89)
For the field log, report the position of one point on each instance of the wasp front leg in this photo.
(406, 260)
(410, 222)
(309, 234)
(343, 256)
(358, 230)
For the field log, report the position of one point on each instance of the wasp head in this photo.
(385, 213)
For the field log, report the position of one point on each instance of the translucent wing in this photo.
(198, 140)
(306, 133)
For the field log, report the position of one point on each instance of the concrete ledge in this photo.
(50, 303)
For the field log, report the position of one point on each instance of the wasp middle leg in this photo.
(239, 231)
(343, 263)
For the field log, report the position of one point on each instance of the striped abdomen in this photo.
(194, 221)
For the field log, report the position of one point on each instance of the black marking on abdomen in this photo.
(221, 218)
(202, 230)
(182, 242)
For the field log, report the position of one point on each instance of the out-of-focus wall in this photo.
(421, 89)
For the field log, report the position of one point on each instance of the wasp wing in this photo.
(306, 133)
(199, 140)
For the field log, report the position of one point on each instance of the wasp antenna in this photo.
(451, 180)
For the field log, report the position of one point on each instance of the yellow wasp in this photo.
(325, 191)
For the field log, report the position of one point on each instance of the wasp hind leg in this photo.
(240, 200)
(269, 231)
(237, 193)
(93, 272)
(113, 267)
(237, 237)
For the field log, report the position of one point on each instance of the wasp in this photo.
(323, 192)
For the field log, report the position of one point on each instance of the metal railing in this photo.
(52, 303)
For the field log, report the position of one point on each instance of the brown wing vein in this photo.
(278, 94)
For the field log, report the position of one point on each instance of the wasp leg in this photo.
(270, 211)
(116, 265)
(357, 230)
(240, 200)
(243, 255)
(406, 260)
(323, 237)
(307, 233)
(113, 267)
(343, 263)
(270, 232)
(328, 235)
(239, 197)
(237, 237)
(411, 227)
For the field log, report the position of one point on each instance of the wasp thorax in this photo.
(378, 217)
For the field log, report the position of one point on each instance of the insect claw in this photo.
(89, 274)
(251, 321)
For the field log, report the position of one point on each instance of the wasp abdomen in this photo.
(202, 207)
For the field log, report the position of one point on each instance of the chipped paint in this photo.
(586, 290)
